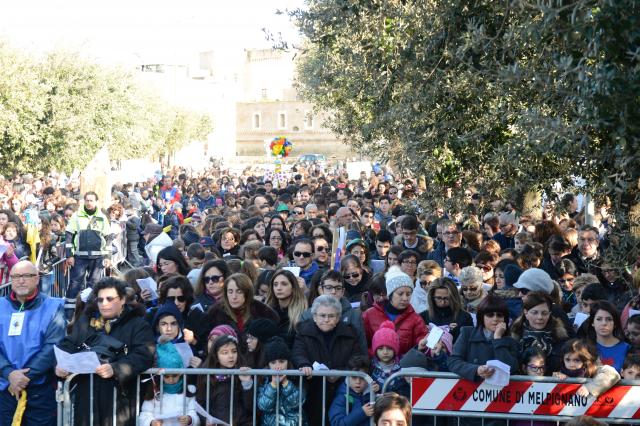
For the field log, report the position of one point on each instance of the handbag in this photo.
(107, 348)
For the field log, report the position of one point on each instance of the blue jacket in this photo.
(338, 412)
(43, 327)
(288, 409)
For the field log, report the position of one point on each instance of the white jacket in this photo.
(171, 405)
(156, 245)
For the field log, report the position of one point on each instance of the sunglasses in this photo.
(323, 249)
(471, 289)
(212, 278)
(494, 315)
(304, 254)
(298, 212)
(180, 299)
(108, 299)
(351, 275)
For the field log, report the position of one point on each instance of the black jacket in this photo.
(311, 346)
(132, 329)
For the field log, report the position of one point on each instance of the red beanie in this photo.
(386, 336)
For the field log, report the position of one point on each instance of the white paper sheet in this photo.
(475, 319)
(579, 319)
(319, 366)
(501, 374)
(633, 312)
(185, 353)
(149, 284)
(169, 416)
(80, 363)
(295, 270)
(208, 417)
(3, 249)
(434, 337)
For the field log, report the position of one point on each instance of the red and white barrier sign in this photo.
(551, 399)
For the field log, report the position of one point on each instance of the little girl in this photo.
(224, 354)
(173, 396)
(604, 330)
(279, 390)
(534, 362)
(580, 359)
(385, 345)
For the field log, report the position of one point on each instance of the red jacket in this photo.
(409, 326)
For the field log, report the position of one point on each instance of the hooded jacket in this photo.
(409, 326)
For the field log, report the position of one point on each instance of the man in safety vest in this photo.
(86, 246)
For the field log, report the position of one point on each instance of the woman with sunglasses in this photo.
(178, 290)
(109, 313)
(356, 279)
(488, 340)
(445, 307)
(471, 288)
(210, 284)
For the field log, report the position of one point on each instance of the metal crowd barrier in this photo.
(530, 398)
(66, 396)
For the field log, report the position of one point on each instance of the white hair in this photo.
(470, 275)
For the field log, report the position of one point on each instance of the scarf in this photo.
(541, 339)
(239, 314)
(174, 388)
(578, 372)
(100, 323)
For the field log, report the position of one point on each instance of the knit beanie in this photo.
(511, 275)
(168, 356)
(386, 336)
(261, 328)
(167, 309)
(275, 349)
(395, 279)
(223, 330)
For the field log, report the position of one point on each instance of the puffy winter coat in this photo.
(409, 326)
(287, 404)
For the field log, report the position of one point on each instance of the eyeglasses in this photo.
(212, 278)
(108, 299)
(17, 277)
(275, 238)
(409, 262)
(304, 254)
(494, 315)
(298, 212)
(180, 299)
(325, 317)
(332, 288)
(471, 289)
(588, 240)
(536, 368)
(351, 275)
(229, 240)
(323, 249)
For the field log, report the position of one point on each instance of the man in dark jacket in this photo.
(34, 324)
(586, 255)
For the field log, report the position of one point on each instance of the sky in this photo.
(134, 31)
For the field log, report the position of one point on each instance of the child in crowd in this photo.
(520, 239)
(279, 393)
(632, 331)
(385, 346)
(351, 405)
(534, 362)
(219, 331)
(631, 367)
(580, 359)
(224, 354)
(257, 332)
(172, 400)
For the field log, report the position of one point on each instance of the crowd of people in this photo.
(245, 273)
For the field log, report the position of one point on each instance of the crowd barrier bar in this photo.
(65, 400)
(507, 416)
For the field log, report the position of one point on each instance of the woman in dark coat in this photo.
(445, 307)
(489, 340)
(325, 340)
(108, 314)
(238, 306)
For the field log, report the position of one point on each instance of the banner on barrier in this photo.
(551, 399)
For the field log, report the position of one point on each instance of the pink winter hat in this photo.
(223, 330)
(386, 336)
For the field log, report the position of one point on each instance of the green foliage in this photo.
(56, 113)
(500, 95)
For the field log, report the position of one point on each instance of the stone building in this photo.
(270, 106)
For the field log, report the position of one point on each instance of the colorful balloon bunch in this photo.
(280, 147)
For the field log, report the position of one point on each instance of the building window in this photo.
(264, 93)
(256, 122)
(282, 120)
(308, 120)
